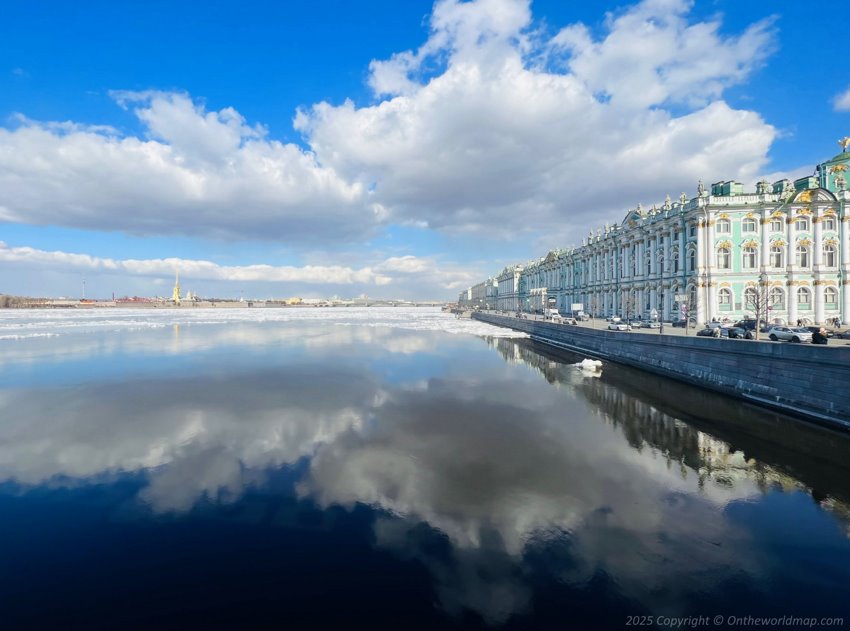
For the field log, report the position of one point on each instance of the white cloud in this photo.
(500, 142)
(841, 102)
(490, 127)
(408, 272)
(200, 173)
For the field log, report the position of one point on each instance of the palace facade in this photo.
(710, 255)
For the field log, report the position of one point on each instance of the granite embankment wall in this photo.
(798, 379)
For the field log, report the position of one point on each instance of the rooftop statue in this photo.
(700, 188)
(667, 204)
(844, 143)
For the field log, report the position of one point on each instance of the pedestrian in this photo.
(661, 328)
(799, 322)
(838, 323)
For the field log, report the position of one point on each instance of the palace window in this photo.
(777, 298)
(724, 258)
(749, 258)
(725, 298)
(803, 297)
(751, 298)
(801, 223)
(776, 225)
(675, 262)
(829, 223)
(692, 231)
(692, 297)
(724, 226)
(830, 297)
(692, 261)
(829, 257)
(748, 225)
(777, 256)
(802, 256)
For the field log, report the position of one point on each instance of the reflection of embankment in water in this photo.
(720, 438)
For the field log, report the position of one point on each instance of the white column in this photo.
(844, 289)
(700, 247)
(792, 304)
(700, 303)
(790, 251)
(819, 306)
(765, 240)
(818, 246)
(666, 269)
(683, 241)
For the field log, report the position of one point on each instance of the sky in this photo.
(391, 149)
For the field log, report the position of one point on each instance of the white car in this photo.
(789, 334)
(619, 326)
(615, 319)
(650, 324)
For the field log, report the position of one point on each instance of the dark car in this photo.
(730, 332)
(817, 329)
(682, 322)
(749, 327)
(843, 335)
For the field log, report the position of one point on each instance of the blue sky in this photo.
(389, 148)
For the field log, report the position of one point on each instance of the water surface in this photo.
(390, 466)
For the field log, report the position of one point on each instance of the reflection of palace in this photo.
(714, 251)
(643, 425)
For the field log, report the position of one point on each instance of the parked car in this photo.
(650, 324)
(682, 322)
(843, 335)
(788, 334)
(619, 326)
(749, 327)
(729, 332)
(817, 329)
(615, 319)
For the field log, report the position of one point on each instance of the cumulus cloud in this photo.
(841, 102)
(491, 126)
(517, 131)
(198, 173)
(426, 271)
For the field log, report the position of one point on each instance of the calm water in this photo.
(390, 467)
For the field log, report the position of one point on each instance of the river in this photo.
(280, 467)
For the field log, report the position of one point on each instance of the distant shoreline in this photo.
(30, 303)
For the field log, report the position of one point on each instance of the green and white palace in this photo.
(711, 254)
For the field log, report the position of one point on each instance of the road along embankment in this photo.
(812, 382)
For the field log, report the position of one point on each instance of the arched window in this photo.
(748, 225)
(777, 256)
(829, 258)
(801, 223)
(830, 297)
(724, 258)
(692, 260)
(724, 226)
(724, 298)
(751, 298)
(803, 296)
(829, 223)
(777, 298)
(692, 298)
(749, 257)
(675, 261)
(776, 225)
(802, 256)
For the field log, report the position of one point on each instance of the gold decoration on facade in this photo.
(804, 211)
(725, 284)
(804, 197)
(831, 241)
(844, 143)
(780, 243)
(777, 214)
(804, 242)
(752, 243)
(750, 216)
(723, 216)
(724, 244)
